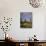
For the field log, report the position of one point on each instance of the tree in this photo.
(6, 25)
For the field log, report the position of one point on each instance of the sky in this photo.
(26, 15)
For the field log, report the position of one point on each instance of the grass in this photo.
(26, 24)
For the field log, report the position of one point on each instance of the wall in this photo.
(12, 8)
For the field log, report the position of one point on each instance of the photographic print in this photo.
(26, 19)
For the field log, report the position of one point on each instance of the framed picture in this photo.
(26, 19)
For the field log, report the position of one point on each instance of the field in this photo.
(26, 24)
